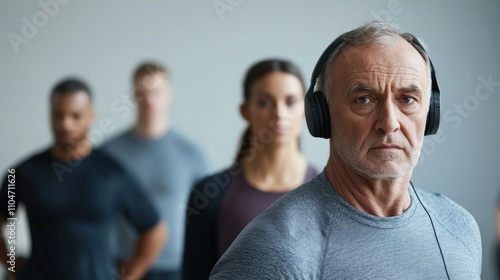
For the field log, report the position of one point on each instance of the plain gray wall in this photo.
(208, 52)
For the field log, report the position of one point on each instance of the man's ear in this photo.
(244, 111)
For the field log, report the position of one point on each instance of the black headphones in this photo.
(316, 108)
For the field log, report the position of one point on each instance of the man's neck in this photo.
(151, 128)
(378, 197)
(67, 153)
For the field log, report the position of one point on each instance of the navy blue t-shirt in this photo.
(71, 207)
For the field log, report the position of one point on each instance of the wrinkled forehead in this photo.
(395, 56)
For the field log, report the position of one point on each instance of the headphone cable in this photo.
(434, 229)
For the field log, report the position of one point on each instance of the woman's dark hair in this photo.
(257, 71)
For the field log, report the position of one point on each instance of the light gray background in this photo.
(208, 54)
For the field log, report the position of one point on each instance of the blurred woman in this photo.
(268, 165)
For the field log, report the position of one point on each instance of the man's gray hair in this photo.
(373, 32)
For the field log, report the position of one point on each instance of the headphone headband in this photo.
(323, 59)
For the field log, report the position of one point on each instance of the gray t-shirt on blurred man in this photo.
(166, 168)
(312, 233)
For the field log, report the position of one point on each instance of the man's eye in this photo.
(264, 103)
(363, 100)
(408, 100)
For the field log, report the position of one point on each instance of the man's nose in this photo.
(387, 117)
(66, 124)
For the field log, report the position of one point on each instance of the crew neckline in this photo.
(146, 140)
(365, 218)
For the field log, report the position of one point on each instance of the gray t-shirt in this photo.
(166, 168)
(312, 233)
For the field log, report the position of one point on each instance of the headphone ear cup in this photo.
(317, 115)
(434, 114)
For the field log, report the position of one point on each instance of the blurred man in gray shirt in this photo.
(165, 163)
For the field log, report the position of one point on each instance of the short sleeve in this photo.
(136, 206)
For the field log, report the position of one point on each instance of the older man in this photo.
(360, 219)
